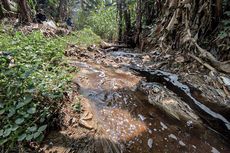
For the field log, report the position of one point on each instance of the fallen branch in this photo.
(105, 45)
(221, 66)
(203, 63)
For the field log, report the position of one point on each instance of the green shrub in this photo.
(33, 76)
(103, 22)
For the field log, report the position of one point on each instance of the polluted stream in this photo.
(144, 111)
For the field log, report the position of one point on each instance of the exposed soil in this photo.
(121, 111)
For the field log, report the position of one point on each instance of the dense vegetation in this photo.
(34, 74)
(34, 79)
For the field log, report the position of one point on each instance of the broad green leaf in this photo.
(12, 112)
(15, 127)
(42, 128)
(22, 137)
(7, 132)
(31, 110)
(29, 137)
(2, 111)
(28, 99)
(32, 128)
(1, 133)
(37, 134)
(19, 121)
(40, 138)
(3, 141)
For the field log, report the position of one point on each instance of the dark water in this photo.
(127, 117)
(214, 119)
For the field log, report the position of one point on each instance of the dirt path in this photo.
(120, 111)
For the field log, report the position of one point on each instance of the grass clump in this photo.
(84, 37)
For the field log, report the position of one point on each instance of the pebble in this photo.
(194, 146)
(150, 143)
(142, 117)
(163, 126)
(214, 150)
(189, 123)
(182, 143)
(172, 136)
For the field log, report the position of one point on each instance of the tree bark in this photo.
(120, 14)
(138, 21)
(6, 5)
(24, 12)
(127, 18)
(1, 12)
(62, 10)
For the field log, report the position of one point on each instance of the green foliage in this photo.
(85, 37)
(225, 29)
(103, 22)
(33, 76)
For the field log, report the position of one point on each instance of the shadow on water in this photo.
(219, 121)
(130, 124)
(127, 122)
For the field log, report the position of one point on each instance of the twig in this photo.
(203, 63)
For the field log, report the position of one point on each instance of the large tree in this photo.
(6, 5)
(62, 10)
(24, 12)
(1, 12)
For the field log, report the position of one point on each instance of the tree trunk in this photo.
(6, 5)
(24, 12)
(127, 18)
(62, 10)
(138, 21)
(120, 14)
(1, 12)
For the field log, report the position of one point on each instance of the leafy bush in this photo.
(33, 76)
(103, 22)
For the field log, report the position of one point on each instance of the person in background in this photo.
(69, 23)
(40, 17)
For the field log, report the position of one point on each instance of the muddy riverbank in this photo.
(123, 111)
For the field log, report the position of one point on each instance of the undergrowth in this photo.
(34, 77)
(102, 21)
(84, 37)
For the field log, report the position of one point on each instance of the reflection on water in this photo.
(127, 117)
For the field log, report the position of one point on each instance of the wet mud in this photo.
(133, 113)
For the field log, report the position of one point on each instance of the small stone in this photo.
(74, 120)
(214, 150)
(182, 143)
(225, 80)
(172, 136)
(156, 89)
(51, 144)
(163, 126)
(142, 117)
(189, 123)
(150, 143)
